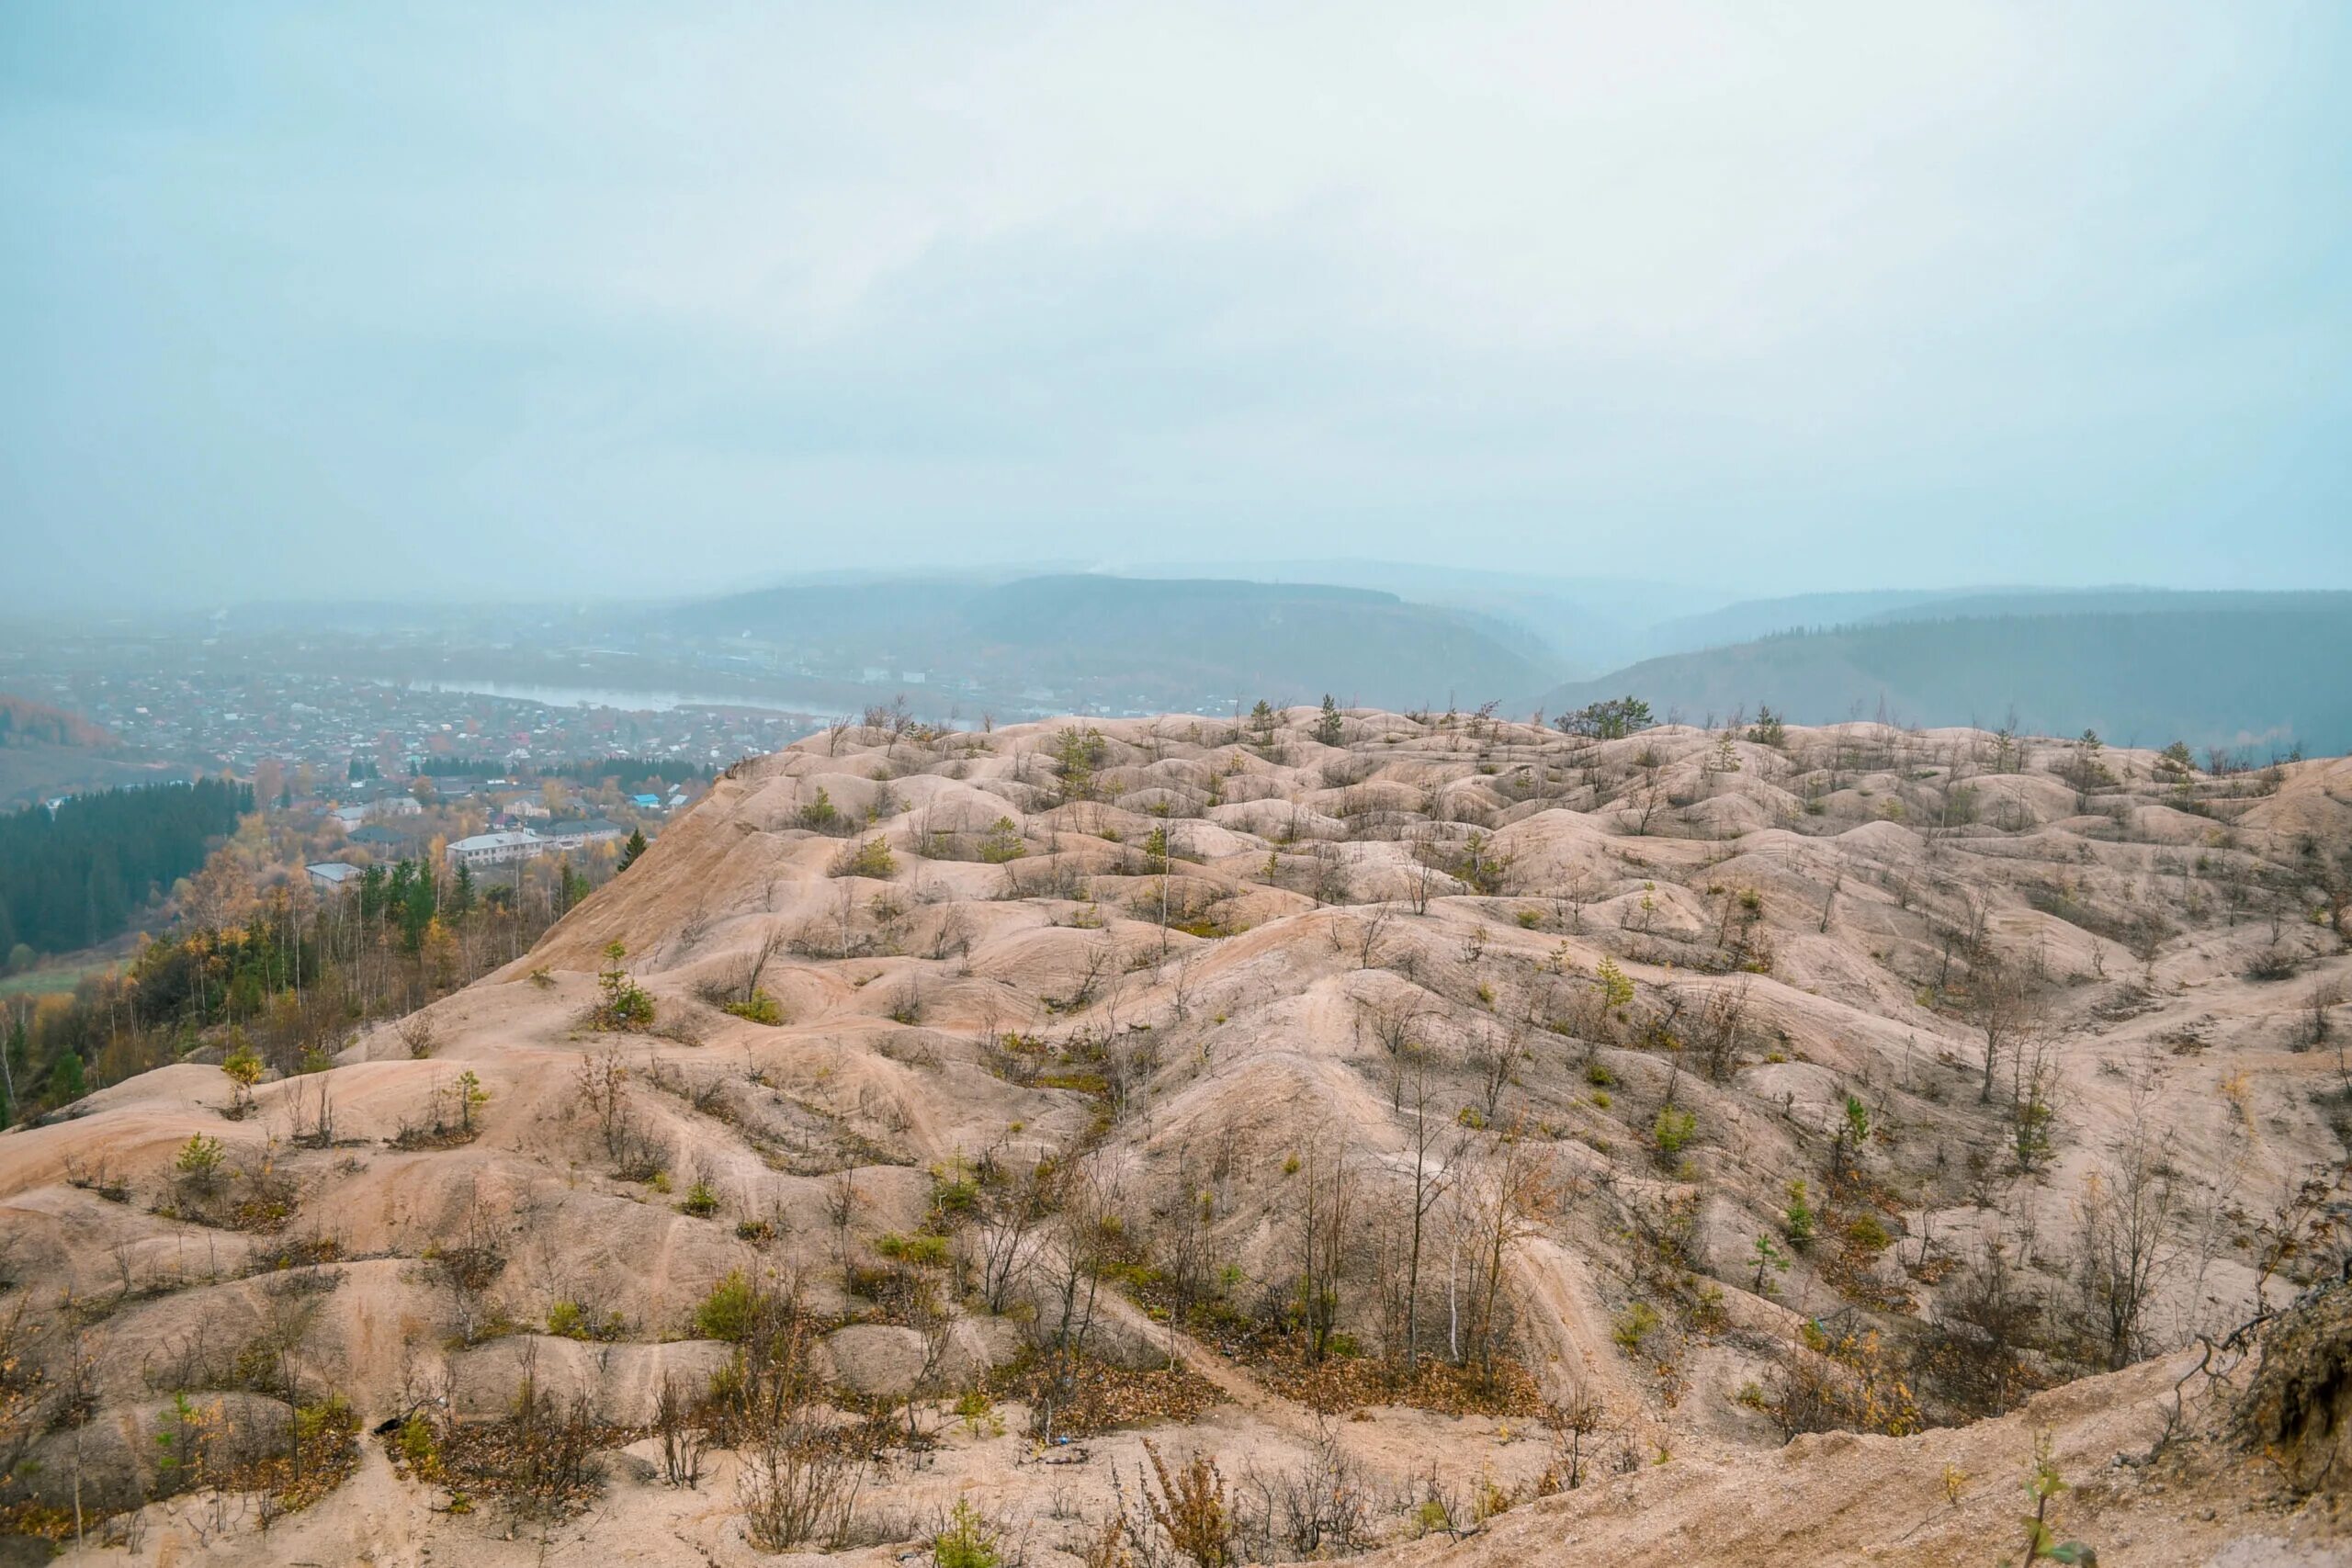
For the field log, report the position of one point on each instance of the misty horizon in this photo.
(1651, 600)
(1841, 299)
(1335, 571)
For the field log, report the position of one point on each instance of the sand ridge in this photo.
(1189, 952)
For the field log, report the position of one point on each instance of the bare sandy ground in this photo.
(1460, 884)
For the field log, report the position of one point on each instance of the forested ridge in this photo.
(2232, 676)
(73, 878)
(1144, 640)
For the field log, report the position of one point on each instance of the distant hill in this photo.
(1749, 619)
(1585, 625)
(1144, 642)
(2217, 668)
(1752, 618)
(2100, 600)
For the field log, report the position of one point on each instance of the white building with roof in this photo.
(496, 849)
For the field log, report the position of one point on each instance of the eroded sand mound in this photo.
(1098, 1076)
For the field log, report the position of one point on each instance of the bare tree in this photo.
(937, 1328)
(1395, 1025)
(1326, 1187)
(1423, 877)
(1069, 1267)
(1510, 1197)
(603, 1079)
(1187, 1242)
(2325, 996)
(897, 719)
(2123, 1242)
(1579, 889)
(2002, 1006)
(1497, 1063)
(1327, 864)
(313, 1111)
(466, 1261)
(683, 1435)
(841, 1210)
(1648, 793)
(1435, 1155)
(746, 988)
(953, 934)
(1720, 1028)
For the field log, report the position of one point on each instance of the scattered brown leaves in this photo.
(1345, 1384)
(1102, 1396)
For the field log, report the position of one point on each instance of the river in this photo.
(598, 697)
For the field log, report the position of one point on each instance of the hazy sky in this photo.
(347, 298)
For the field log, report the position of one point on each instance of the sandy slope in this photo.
(1823, 887)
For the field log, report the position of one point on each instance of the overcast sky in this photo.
(603, 299)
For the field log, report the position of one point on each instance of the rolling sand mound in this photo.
(1187, 986)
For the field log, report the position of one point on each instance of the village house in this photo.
(496, 849)
(503, 848)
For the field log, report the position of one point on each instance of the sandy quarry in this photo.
(1201, 1022)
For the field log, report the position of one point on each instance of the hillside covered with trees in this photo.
(279, 973)
(1141, 641)
(75, 877)
(2268, 673)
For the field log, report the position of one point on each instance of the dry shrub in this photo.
(1977, 1355)
(1109, 1550)
(418, 1033)
(282, 1458)
(264, 1196)
(538, 1459)
(685, 1436)
(1190, 1508)
(1319, 1507)
(317, 1454)
(1568, 1423)
(247, 1194)
(1848, 1383)
(802, 1467)
(800, 1481)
